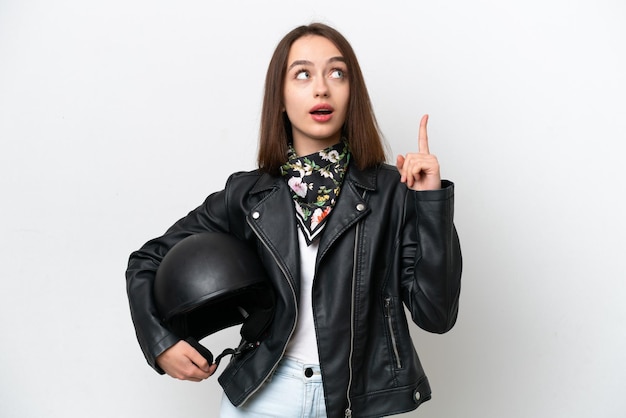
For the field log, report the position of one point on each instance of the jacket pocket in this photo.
(389, 310)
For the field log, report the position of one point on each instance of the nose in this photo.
(321, 87)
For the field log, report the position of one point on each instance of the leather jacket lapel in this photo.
(350, 207)
(272, 219)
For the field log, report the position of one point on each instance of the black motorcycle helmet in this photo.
(211, 281)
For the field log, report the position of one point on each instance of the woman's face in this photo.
(316, 93)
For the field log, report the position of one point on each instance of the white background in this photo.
(118, 117)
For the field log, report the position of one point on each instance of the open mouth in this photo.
(321, 112)
(321, 109)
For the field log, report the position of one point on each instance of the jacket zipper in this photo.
(293, 293)
(348, 412)
(394, 343)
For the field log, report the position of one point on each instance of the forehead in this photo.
(313, 48)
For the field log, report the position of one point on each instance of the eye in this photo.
(337, 73)
(302, 75)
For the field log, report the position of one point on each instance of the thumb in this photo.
(200, 361)
(197, 358)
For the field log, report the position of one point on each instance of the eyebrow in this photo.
(306, 62)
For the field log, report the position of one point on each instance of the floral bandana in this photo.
(315, 181)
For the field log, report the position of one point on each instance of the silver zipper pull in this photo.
(387, 307)
(348, 413)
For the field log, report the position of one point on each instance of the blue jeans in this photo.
(293, 390)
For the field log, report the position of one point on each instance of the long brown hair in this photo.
(360, 127)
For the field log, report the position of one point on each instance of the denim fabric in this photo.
(287, 393)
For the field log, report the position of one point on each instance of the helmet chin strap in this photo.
(253, 328)
(206, 353)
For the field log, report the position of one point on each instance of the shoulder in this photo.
(243, 178)
(251, 175)
(388, 177)
(375, 177)
(252, 181)
(388, 171)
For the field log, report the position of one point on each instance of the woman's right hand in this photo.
(182, 361)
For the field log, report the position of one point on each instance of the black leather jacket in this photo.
(383, 246)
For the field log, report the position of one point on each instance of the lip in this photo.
(321, 117)
(321, 106)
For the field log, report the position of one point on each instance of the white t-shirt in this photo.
(303, 343)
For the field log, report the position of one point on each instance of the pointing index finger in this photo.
(422, 138)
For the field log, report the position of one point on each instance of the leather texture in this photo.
(384, 246)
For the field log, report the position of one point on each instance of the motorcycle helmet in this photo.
(211, 281)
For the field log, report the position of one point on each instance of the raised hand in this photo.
(182, 361)
(420, 171)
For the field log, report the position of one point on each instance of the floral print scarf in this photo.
(315, 181)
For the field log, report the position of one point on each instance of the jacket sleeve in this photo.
(153, 337)
(432, 268)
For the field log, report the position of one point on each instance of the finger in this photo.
(200, 367)
(400, 161)
(400, 165)
(197, 359)
(414, 173)
(411, 169)
(422, 138)
(187, 370)
(204, 369)
(194, 373)
(212, 369)
(407, 171)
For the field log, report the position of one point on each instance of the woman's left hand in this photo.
(420, 171)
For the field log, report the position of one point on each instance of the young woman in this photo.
(346, 240)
